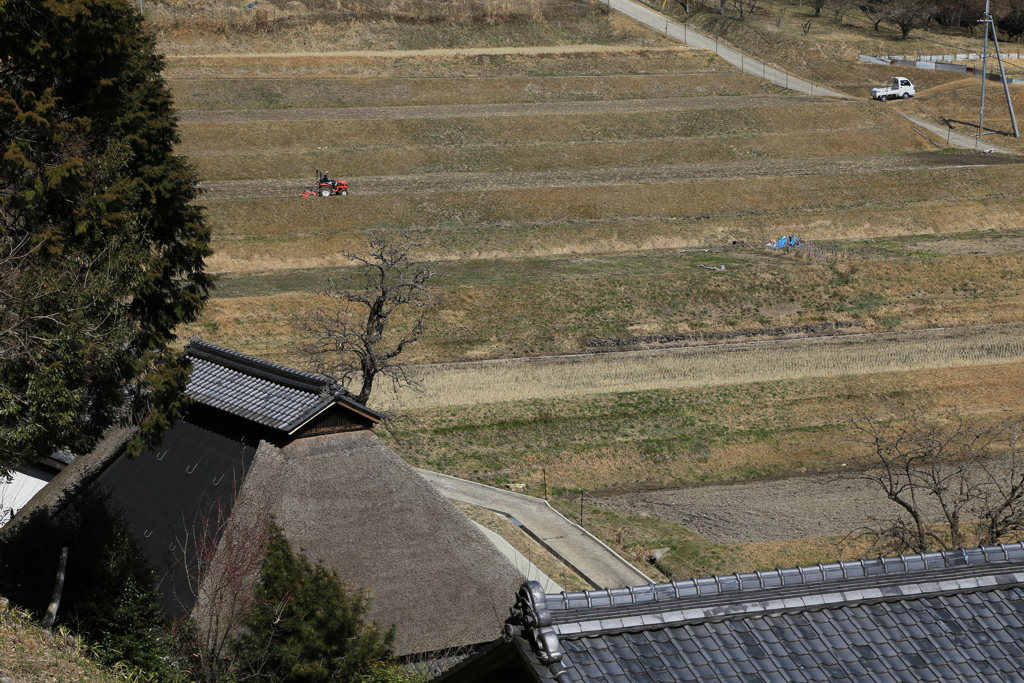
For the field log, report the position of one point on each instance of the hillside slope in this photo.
(28, 654)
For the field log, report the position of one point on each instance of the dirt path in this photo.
(436, 52)
(500, 110)
(429, 183)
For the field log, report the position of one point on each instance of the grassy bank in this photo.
(28, 654)
(560, 301)
(651, 439)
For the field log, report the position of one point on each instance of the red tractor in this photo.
(325, 187)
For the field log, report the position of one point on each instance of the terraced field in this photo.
(615, 193)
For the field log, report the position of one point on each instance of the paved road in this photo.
(590, 558)
(756, 67)
(957, 139)
(745, 63)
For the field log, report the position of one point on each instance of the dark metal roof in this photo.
(175, 495)
(266, 393)
(952, 615)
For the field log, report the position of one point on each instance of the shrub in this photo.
(305, 625)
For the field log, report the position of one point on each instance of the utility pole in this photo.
(984, 71)
(990, 26)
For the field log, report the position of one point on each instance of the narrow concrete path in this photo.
(585, 554)
(957, 139)
(745, 63)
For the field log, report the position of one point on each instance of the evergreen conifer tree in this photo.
(305, 626)
(101, 247)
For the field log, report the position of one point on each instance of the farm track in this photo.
(174, 59)
(430, 183)
(555, 377)
(449, 111)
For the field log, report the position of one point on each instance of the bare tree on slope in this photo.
(360, 335)
(955, 483)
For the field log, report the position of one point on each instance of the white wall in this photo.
(17, 492)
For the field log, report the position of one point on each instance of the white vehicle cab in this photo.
(901, 87)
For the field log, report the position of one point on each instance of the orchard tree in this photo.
(101, 247)
(876, 12)
(357, 337)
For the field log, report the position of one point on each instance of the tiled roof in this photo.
(266, 393)
(947, 616)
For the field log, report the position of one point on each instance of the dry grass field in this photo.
(485, 382)
(629, 441)
(520, 144)
(560, 300)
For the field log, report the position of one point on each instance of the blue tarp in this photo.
(786, 241)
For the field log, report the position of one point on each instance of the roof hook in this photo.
(161, 456)
(218, 480)
(149, 532)
(190, 470)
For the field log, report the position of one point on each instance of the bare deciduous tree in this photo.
(955, 483)
(358, 340)
(909, 14)
(217, 557)
(839, 8)
(745, 7)
(875, 12)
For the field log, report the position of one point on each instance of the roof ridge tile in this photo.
(197, 348)
(718, 585)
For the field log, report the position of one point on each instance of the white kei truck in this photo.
(901, 87)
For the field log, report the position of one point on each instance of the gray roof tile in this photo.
(267, 393)
(954, 615)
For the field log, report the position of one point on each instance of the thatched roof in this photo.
(307, 456)
(350, 501)
(80, 469)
